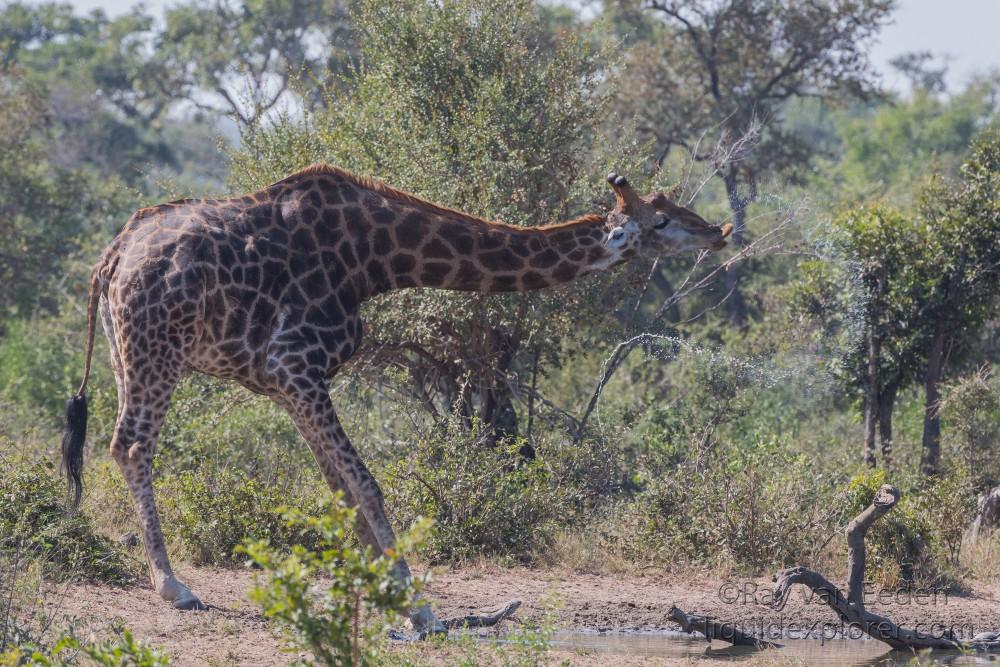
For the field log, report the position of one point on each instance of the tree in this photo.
(889, 150)
(46, 211)
(240, 58)
(868, 326)
(473, 104)
(919, 68)
(714, 71)
(963, 256)
(924, 284)
(90, 70)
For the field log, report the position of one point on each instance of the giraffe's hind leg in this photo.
(146, 384)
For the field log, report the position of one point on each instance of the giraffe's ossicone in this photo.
(265, 290)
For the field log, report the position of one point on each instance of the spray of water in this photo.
(804, 369)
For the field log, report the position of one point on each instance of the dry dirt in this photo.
(231, 632)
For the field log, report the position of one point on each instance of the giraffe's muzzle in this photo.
(726, 230)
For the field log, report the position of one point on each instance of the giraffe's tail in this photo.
(75, 430)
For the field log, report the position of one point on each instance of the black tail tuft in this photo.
(74, 435)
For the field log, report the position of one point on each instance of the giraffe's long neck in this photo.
(434, 249)
(383, 239)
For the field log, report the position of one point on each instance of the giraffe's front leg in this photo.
(316, 420)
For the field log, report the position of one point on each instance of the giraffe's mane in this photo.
(378, 186)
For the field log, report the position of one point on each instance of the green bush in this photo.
(324, 596)
(482, 503)
(947, 503)
(754, 509)
(214, 422)
(896, 545)
(970, 408)
(41, 361)
(210, 513)
(918, 543)
(35, 525)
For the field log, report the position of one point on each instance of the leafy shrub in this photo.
(896, 545)
(919, 542)
(212, 512)
(970, 406)
(34, 525)
(324, 595)
(946, 504)
(122, 652)
(212, 421)
(35, 364)
(481, 502)
(41, 359)
(752, 509)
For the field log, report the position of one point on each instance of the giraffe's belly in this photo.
(233, 335)
(265, 345)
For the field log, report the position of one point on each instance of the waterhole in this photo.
(811, 652)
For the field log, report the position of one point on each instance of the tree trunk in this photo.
(871, 396)
(930, 460)
(496, 399)
(886, 404)
(873, 386)
(736, 305)
(727, 632)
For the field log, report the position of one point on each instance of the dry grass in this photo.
(581, 550)
(981, 557)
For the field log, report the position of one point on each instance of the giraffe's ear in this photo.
(626, 200)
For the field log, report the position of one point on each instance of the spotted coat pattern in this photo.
(265, 290)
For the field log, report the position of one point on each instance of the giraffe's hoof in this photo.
(611, 178)
(189, 603)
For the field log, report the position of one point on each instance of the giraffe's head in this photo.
(655, 226)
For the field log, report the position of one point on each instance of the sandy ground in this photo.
(231, 632)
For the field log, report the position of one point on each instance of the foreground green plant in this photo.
(327, 597)
(125, 651)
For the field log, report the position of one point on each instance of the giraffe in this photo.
(264, 290)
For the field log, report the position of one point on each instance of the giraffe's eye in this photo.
(661, 222)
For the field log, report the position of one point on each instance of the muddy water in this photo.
(839, 652)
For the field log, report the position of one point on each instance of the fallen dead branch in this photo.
(713, 629)
(851, 609)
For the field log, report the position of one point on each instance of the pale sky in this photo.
(964, 30)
